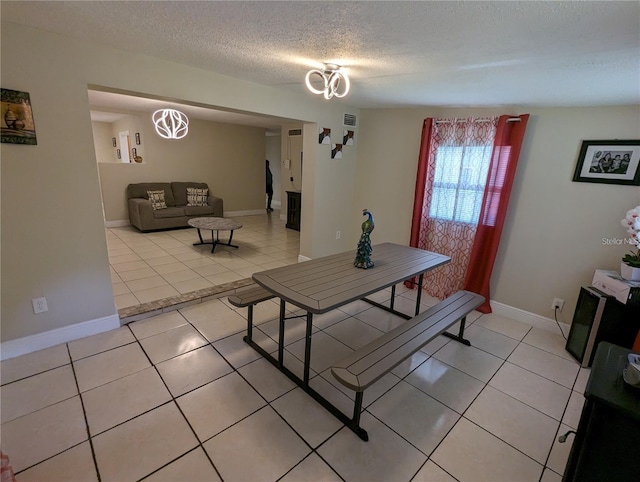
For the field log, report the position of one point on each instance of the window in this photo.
(459, 181)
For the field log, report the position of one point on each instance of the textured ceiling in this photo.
(469, 53)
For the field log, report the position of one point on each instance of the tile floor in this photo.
(180, 397)
(151, 266)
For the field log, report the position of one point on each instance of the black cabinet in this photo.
(294, 207)
(608, 436)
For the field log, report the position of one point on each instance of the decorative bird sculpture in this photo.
(363, 254)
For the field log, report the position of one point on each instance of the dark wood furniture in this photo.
(294, 206)
(608, 436)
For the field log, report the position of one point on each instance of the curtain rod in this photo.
(510, 119)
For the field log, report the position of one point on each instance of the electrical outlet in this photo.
(338, 234)
(39, 305)
(557, 304)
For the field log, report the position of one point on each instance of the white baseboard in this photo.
(303, 258)
(40, 341)
(232, 214)
(228, 214)
(117, 224)
(276, 204)
(528, 318)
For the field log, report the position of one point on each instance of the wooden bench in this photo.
(366, 365)
(249, 297)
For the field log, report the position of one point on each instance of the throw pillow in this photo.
(157, 200)
(196, 196)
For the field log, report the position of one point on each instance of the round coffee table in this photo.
(215, 225)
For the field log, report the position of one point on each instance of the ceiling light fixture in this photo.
(331, 76)
(171, 123)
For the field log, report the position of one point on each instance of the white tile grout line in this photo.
(211, 343)
(188, 236)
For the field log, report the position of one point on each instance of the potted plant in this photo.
(630, 267)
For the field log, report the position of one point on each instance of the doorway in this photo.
(125, 146)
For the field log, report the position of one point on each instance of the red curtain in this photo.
(502, 171)
(421, 180)
(481, 256)
(444, 223)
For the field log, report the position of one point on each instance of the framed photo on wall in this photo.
(609, 162)
(16, 121)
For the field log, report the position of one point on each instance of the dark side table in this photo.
(607, 442)
(294, 209)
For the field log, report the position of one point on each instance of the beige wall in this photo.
(552, 241)
(52, 235)
(105, 152)
(228, 157)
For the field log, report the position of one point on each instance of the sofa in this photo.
(165, 205)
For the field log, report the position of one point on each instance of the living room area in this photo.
(153, 268)
(165, 265)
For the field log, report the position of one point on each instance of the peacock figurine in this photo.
(363, 254)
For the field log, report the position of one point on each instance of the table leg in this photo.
(213, 240)
(391, 309)
(228, 243)
(419, 294)
(460, 336)
(230, 238)
(393, 297)
(281, 334)
(349, 422)
(249, 324)
(202, 241)
(307, 348)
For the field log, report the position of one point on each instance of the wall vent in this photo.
(295, 132)
(350, 120)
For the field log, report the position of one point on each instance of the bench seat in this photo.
(249, 296)
(366, 365)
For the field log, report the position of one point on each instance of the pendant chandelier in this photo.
(171, 123)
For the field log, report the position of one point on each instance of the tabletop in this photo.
(215, 224)
(323, 284)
